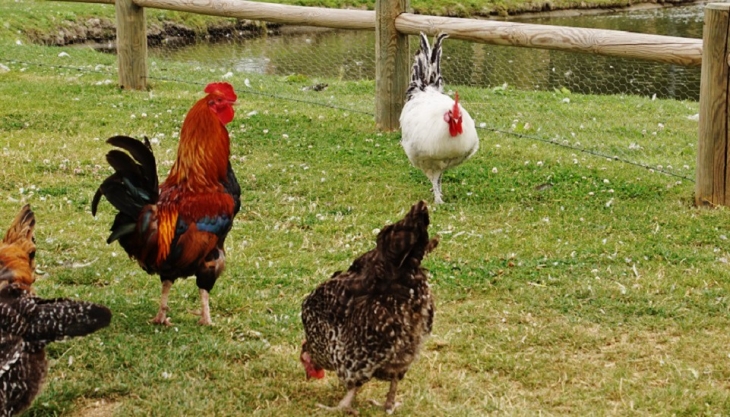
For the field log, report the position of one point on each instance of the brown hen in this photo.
(370, 321)
(29, 323)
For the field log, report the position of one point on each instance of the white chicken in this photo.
(437, 132)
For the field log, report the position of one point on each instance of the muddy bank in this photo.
(102, 31)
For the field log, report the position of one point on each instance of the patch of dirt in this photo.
(100, 408)
(75, 32)
(103, 30)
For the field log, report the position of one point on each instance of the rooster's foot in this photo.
(345, 409)
(165, 321)
(205, 321)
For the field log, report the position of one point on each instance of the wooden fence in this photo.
(393, 24)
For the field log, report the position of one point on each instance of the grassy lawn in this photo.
(566, 284)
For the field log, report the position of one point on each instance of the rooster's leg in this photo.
(344, 405)
(205, 308)
(161, 317)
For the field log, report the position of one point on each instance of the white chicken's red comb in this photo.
(456, 113)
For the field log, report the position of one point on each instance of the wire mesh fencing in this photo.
(306, 64)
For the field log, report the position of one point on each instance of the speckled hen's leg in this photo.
(161, 317)
(390, 403)
(344, 405)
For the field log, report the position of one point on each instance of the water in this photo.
(350, 55)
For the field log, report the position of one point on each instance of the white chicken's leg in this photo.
(344, 405)
(435, 178)
(161, 317)
(205, 309)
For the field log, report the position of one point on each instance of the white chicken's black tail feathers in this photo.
(426, 70)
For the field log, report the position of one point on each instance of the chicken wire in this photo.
(316, 56)
(303, 64)
(306, 64)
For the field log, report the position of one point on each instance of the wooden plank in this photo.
(131, 45)
(666, 49)
(276, 13)
(711, 168)
(392, 64)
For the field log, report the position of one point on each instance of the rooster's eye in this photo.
(31, 255)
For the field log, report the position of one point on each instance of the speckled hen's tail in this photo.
(426, 70)
(405, 243)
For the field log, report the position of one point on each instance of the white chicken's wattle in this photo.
(437, 132)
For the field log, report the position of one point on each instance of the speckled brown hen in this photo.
(29, 323)
(370, 321)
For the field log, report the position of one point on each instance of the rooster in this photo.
(29, 323)
(179, 228)
(437, 133)
(17, 250)
(371, 320)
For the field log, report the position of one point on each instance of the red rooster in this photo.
(178, 229)
(437, 133)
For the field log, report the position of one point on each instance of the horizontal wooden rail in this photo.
(658, 48)
(666, 49)
(276, 13)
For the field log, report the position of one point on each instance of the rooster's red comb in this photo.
(221, 89)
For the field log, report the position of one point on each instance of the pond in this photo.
(350, 55)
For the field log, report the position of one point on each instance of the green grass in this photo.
(605, 293)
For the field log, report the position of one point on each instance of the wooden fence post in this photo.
(131, 45)
(392, 64)
(713, 170)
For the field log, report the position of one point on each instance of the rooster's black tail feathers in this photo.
(132, 186)
(426, 70)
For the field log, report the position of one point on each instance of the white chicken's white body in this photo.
(426, 137)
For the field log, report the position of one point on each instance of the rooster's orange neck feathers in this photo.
(204, 149)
